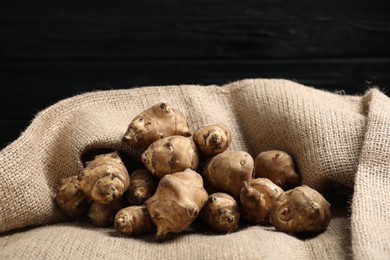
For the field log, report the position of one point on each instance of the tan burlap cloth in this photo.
(333, 138)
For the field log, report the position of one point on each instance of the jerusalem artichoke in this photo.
(133, 220)
(177, 202)
(213, 139)
(142, 186)
(102, 215)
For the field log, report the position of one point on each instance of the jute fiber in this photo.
(334, 139)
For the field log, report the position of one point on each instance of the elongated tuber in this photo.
(279, 167)
(171, 154)
(70, 198)
(105, 178)
(227, 171)
(221, 212)
(142, 186)
(133, 220)
(177, 202)
(102, 215)
(157, 122)
(301, 209)
(212, 140)
(257, 199)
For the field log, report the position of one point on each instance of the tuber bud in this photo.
(176, 204)
(102, 215)
(105, 179)
(301, 209)
(213, 139)
(70, 198)
(257, 199)
(157, 122)
(227, 171)
(221, 212)
(278, 166)
(142, 186)
(171, 154)
(133, 220)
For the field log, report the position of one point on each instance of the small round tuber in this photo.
(70, 198)
(102, 215)
(221, 212)
(133, 220)
(257, 199)
(177, 202)
(157, 122)
(279, 167)
(227, 171)
(301, 209)
(171, 154)
(212, 140)
(105, 178)
(142, 186)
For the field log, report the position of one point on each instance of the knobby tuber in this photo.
(227, 171)
(142, 186)
(102, 215)
(177, 202)
(221, 212)
(212, 140)
(133, 220)
(257, 199)
(70, 198)
(171, 154)
(279, 167)
(157, 122)
(301, 209)
(105, 178)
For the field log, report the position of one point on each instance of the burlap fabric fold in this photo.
(335, 140)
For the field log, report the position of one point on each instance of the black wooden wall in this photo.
(51, 50)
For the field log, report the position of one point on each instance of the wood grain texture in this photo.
(51, 50)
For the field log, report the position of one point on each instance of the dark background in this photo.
(51, 50)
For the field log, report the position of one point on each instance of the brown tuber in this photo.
(177, 202)
(279, 167)
(142, 186)
(102, 215)
(70, 198)
(212, 140)
(221, 212)
(301, 209)
(105, 178)
(257, 199)
(157, 122)
(227, 171)
(171, 154)
(133, 220)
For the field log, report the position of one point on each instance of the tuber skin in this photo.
(227, 171)
(212, 140)
(157, 122)
(142, 186)
(105, 178)
(102, 215)
(70, 198)
(171, 154)
(301, 209)
(279, 167)
(257, 199)
(133, 220)
(221, 212)
(177, 202)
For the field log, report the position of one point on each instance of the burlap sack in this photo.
(334, 139)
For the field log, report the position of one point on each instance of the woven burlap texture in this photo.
(333, 138)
